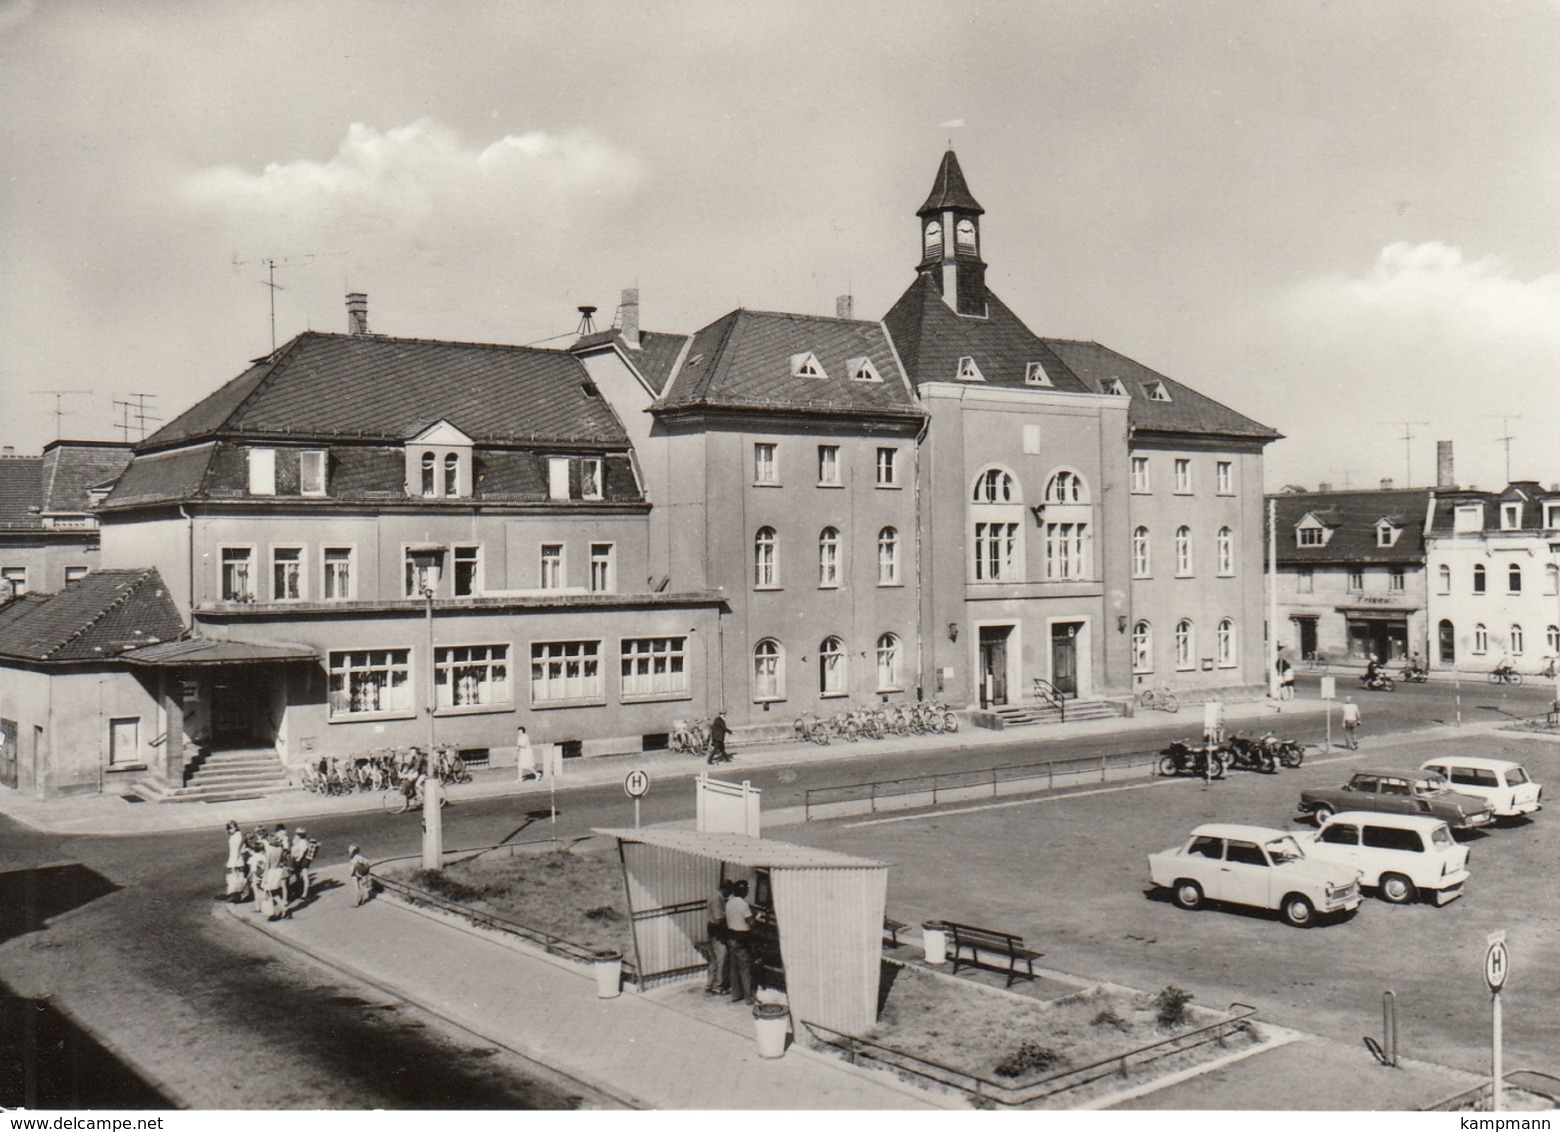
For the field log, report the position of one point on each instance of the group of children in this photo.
(273, 869)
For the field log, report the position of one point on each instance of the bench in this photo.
(893, 928)
(974, 940)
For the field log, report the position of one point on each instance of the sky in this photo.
(1342, 220)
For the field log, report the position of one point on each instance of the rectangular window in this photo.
(1226, 470)
(552, 566)
(1356, 580)
(370, 682)
(72, 574)
(766, 468)
(601, 568)
(1510, 516)
(339, 575)
(888, 467)
(1305, 581)
(1395, 579)
(1140, 473)
(424, 568)
(995, 544)
(468, 571)
(237, 581)
(565, 670)
(1310, 536)
(1183, 475)
(654, 666)
(16, 577)
(1551, 516)
(557, 477)
(471, 676)
(1468, 517)
(124, 741)
(829, 465)
(1065, 557)
(590, 478)
(1031, 440)
(311, 473)
(262, 471)
(287, 573)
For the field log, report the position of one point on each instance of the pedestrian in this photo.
(1286, 679)
(276, 876)
(525, 756)
(360, 871)
(718, 981)
(739, 934)
(718, 731)
(257, 874)
(301, 851)
(1351, 723)
(235, 863)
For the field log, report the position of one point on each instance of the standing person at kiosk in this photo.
(719, 979)
(739, 935)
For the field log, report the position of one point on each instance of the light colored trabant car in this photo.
(1504, 785)
(1401, 856)
(1263, 868)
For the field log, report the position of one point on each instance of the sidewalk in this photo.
(109, 815)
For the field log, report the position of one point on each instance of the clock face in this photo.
(933, 236)
(965, 233)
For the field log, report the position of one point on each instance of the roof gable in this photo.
(441, 432)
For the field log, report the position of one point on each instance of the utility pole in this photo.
(271, 263)
(59, 409)
(1408, 449)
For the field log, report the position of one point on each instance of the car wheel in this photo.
(1321, 814)
(1398, 889)
(1298, 911)
(1188, 895)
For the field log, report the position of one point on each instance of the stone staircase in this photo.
(222, 775)
(1035, 713)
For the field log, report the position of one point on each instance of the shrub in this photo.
(1029, 1057)
(440, 883)
(1109, 1017)
(1172, 1006)
(603, 912)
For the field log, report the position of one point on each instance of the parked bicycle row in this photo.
(386, 768)
(926, 718)
(1263, 753)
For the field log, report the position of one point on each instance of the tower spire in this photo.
(950, 240)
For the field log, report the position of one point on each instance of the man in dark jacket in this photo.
(718, 731)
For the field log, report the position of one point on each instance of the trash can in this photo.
(770, 1023)
(934, 942)
(608, 966)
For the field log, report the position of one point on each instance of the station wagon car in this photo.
(1504, 785)
(1397, 792)
(1262, 868)
(1401, 856)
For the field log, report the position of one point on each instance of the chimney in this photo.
(1386, 483)
(1324, 487)
(628, 317)
(1443, 464)
(357, 313)
(845, 306)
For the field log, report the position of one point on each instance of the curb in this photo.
(1281, 1037)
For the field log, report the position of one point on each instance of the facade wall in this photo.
(65, 728)
(1328, 600)
(1535, 610)
(45, 557)
(161, 540)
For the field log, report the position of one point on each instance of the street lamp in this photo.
(433, 818)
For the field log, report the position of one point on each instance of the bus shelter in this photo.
(821, 911)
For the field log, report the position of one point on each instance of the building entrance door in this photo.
(235, 704)
(1064, 658)
(994, 664)
(10, 739)
(1306, 627)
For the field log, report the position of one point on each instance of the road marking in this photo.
(1015, 802)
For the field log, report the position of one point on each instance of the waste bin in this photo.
(934, 942)
(770, 1023)
(608, 966)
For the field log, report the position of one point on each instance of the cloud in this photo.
(424, 174)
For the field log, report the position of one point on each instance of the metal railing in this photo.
(984, 1088)
(1477, 1099)
(963, 785)
(1050, 695)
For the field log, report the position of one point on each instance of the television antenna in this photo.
(138, 408)
(271, 263)
(59, 409)
(1506, 437)
(1408, 448)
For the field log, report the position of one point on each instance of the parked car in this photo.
(1397, 792)
(1504, 785)
(1401, 856)
(1262, 868)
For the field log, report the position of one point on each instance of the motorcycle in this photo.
(1290, 752)
(1254, 754)
(1183, 758)
(1380, 682)
(1414, 674)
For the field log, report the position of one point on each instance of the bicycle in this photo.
(400, 800)
(811, 729)
(1503, 673)
(1159, 699)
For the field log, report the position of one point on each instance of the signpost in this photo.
(1329, 694)
(636, 784)
(1497, 964)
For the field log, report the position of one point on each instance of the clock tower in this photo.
(950, 240)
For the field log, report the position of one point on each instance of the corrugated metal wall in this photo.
(660, 882)
(831, 941)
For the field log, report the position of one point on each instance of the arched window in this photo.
(1514, 579)
(996, 515)
(1183, 552)
(829, 558)
(1142, 647)
(430, 486)
(1226, 551)
(888, 557)
(994, 486)
(1478, 579)
(1142, 561)
(451, 475)
(1227, 656)
(1516, 640)
(1446, 637)
(888, 663)
(1066, 487)
(1185, 645)
(1481, 638)
(1552, 576)
(764, 573)
(768, 671)
(1443, 576)
(1552, 640)
(831, 667)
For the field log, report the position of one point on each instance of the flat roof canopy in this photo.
(202, 651)
(739, 849)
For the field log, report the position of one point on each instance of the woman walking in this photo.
(235, 863)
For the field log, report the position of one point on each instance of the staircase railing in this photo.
(1050, 695)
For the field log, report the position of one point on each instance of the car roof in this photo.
(1390, 772)
(1240, 832)
(1471, 760)
(1397, 821)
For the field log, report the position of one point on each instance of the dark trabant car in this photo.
(1397, 792)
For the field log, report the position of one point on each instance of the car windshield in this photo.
(1284, 849)
(1441, 836)
(1430, 786)
(1516, 776)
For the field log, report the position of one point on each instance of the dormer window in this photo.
(438, 464)
(1034, 374)
(1387, 534)
(1311, 531)
(807, 365)
(430, 481)
(1156, 391)
(1511, 516)
(1116, 387)
(862, 369)
(311, 473)
(968, 370)
(1468, 517)
(262, 471)
(574, 477)
(964, 234)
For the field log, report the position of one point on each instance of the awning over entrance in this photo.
(200, 651)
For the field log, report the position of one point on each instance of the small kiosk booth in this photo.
(818, 929)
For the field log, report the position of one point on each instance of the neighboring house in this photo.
(1351, 573)
(1493, 563)
(48, 528)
